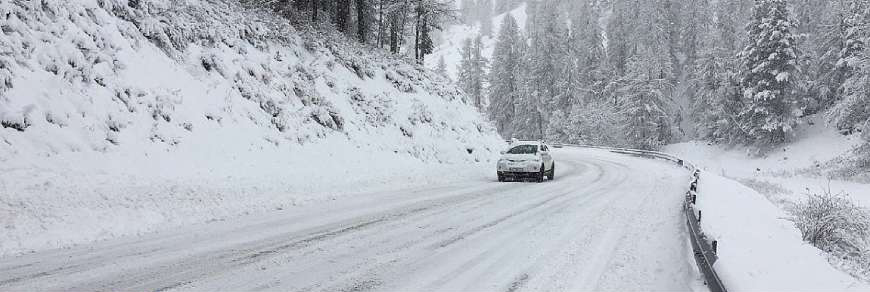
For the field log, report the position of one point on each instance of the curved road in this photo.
(607, 223)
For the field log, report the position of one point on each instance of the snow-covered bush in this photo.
(835, 224)
(865, 131)
(854, 165)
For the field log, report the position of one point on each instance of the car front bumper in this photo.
(519, 174)
(519, 167)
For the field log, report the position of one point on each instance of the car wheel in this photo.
(541, 174)
(500, 178)
(552, 172)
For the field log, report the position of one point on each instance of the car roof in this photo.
(515, 143)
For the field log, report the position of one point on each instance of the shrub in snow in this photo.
(17, 121)
(833, 223)
(865, 131)
(377, 110)
(853, 166)
(5, 76)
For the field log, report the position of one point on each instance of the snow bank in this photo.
(120, 118)
(759, 250)
(813, 145)
(787, 173)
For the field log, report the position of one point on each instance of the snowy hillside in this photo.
(450, 47)
(764, 192)
(795, 167)
(126, 117)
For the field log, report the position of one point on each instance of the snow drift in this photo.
(121, 117)
(759, 249)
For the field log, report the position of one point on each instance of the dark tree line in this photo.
(400, 26)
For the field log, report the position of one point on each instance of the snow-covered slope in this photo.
(125, 117)
(450, 46)
(759, 250)
(745, 200)
(787, 172)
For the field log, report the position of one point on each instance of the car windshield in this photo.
(524, 149)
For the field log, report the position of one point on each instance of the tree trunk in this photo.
(362, 20)
(401, 33)
(342, 15)
(394, 33)
(381, 24)
(417, 27)
(314, 9)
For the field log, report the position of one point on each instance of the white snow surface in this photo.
(743, 199)
(759, 250)
(778, 175)
(607, 222)
(183, 112)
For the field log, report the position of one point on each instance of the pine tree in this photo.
(505, 76)
(466, 8)
(620, 33)
(642, 101)
(852, 113)
(472, 71)
(586, 56)
(769, 60)
(717, 99)
(717, 103)
(486, 17)
(442, 67)
(821, 29)
(478, 73)
(342, 15)
(466, 64)
(362, 8)
(548, 53)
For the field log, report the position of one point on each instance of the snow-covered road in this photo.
(608, 222)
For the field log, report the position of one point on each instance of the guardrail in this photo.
(704, 249)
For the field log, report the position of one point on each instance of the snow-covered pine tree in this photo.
(769, 61)
(505, 76)
(442, 67)
(472, 71)
(581, 78)
(643, 92)
(717, 102)
(528, 122)
(717, 99)
(595, 123)
(531, 16)
(821, 31)
(466, 63)
(486, 10)
(478, 73)
(853, 111)
(548, 52)
(696, 17)
(466, 10)
(620, 34)
(644, 122)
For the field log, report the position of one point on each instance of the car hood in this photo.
(519, 157)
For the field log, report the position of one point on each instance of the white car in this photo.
(526, 159)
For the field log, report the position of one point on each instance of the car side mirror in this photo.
(502, 152)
